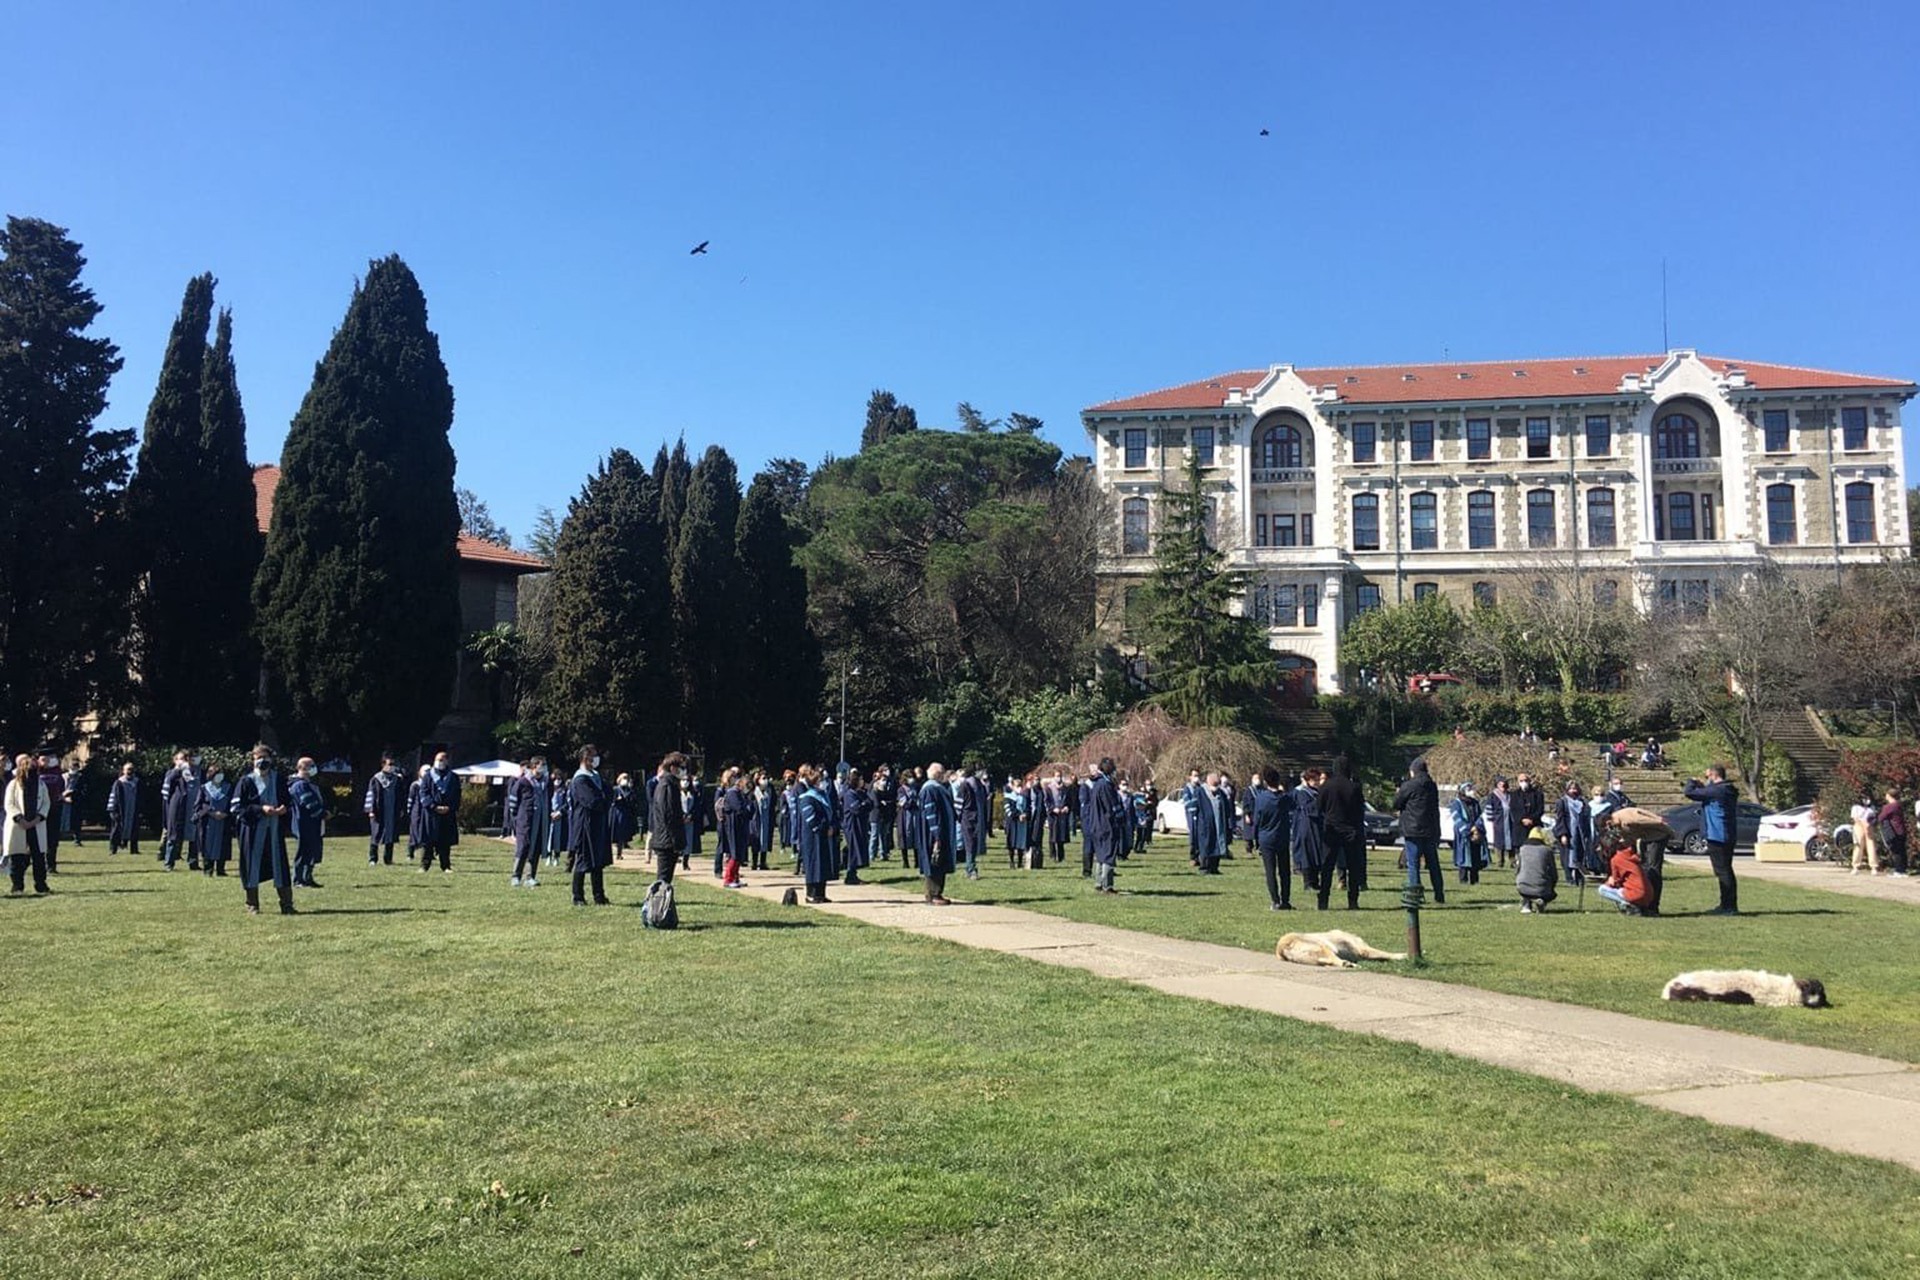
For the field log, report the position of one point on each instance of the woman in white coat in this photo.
(25, 833)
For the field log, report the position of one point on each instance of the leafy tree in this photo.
(478, 521)
(776, 645)
(886, 418)
(707, 611)
(60, 583)
(1579, 633)
(1404, 640)
(501, 653)
(1209, 665)
(1024, 423)
(609, 679)
(357, 599)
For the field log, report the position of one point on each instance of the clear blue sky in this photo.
(1029, 206)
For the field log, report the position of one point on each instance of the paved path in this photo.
(1845, 1101)
(1818, 875)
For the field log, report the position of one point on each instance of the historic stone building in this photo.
(1656, 479)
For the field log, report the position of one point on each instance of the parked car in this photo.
(1432, 682)
(1383, 826)
(1170, 815)
(1798, 826)
(1687, 823)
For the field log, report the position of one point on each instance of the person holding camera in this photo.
(1719, 809)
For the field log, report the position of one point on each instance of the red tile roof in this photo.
(1488, 380)
(266, 478)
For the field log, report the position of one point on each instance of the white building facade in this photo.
(1660, 479)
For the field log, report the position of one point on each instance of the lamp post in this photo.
(841, 761)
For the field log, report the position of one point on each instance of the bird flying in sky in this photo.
(702, 246)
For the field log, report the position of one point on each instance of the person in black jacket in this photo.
(1418, 801)
(666, 815)
(1529, 807)
(1271, 807)
(1343, 811)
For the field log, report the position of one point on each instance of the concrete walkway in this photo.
(1845, 1101)
(1830, 876)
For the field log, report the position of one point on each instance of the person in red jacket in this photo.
(1627, 881)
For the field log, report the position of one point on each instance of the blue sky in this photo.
(1028, 206)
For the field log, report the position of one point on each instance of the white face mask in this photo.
(262, 765)
(596, 762)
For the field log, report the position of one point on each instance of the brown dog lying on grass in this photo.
(1334, 949)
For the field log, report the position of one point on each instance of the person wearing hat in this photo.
(1534, 873)
(1469, 838)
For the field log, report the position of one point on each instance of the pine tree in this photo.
(706, 604)
(607, 603)
(1208, 665)
(776, 644)
(671, 474)
(59, 520)
(358, 597)
(886, 418)
(229, 689)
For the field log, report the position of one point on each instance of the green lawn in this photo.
(1862, 949)
(436, 1076)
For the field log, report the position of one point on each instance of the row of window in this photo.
(1285, 605)
(1676, 435)
(1423, 520)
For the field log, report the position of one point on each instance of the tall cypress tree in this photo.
(776, 645)
(609, 680)
(166, 505)
(886, 418)
(706, 604)
(672, 473)
(357, 599)
(228, 688)
(59, 587)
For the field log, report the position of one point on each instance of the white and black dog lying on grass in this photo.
(1333, 949)
(1748, 986)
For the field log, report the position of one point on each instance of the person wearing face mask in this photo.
(215, 823)
(1213, 826)
(385, 806)
(530, 803)
(417, 812)
(123, 817)
(622, 814)
(667, 825)
(1573, 826)
(309, 821)
(260, 803)
(1529, 806)
(813, 825)
(55, 783)
(588, 804)
(440, 794)
(1503, 835)
(177, 800)
(935, 833)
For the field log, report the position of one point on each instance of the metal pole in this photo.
(843, 716)
(1411, 897)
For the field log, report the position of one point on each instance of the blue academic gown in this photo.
(735, 831)
(623, 817)
(1106, 819)
(263, 837)
(763, 805)
(123, 817)
(215, 822)
(309, 824)
(587, 832)
(385, 807)
(1309, 836)
(435, 790)
(856, 817)
(531, 803)
(937, 826)
(812, 823)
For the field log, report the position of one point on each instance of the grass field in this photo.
(437, 1076)
(1862, 949)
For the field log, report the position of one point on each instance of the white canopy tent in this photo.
(490, 771)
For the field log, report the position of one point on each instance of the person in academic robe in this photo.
(589, 803)
(531, 805)
(765, 801)
(1503, 831)
(123, 812)
(1033, 848)
(856, 817)
(1469, 837)
(1104, 814)
(177, 801)
(1013, 815)
(559, 838)
(789, 794)
(440, 796)
(623, 816)
(261, 807)
(694, 801)
(309, 822)
(1059, 817)
(886, 813)
(417, 812)
(1190, 803)
(1311, 858)
(1086, 828)
(937, 830)
(733, 831)
(29, 813)
(911, 816)
(73, 782)
(385, 807)
(215, 820)
(1271, 805)
(55, 783)
(1213, 826)
(1343, 824)
(813, 829)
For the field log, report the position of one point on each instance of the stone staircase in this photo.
(1804, 740)
(1306, 736)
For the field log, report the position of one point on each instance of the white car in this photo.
(1170, 815)
(1798, 827)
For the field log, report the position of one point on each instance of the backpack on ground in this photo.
(658, 911)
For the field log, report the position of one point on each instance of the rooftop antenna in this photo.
(1664, 345)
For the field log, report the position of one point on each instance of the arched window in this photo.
(1480, 536)
(1541, 531)
(1133, 527)
(1423, 515)
(1601, 531)
(1783, 524)
(1280, 448)
(1676, 435)
(1366, 522)
(1860, 522)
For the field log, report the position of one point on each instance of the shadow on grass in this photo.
(373, 911)
(1172, 893)
(775, 924)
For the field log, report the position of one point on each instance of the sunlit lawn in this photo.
(438, 1076)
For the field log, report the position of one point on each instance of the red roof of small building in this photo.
(1488, 380)
(266, 478)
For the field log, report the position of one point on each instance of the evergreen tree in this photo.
(228, 687)
(1209, 666)
(477, 519)
(59, 583)
(671, 474)
(358, 595)
(776, 645)
(609, 678)
(707, 606)
(886, 418)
